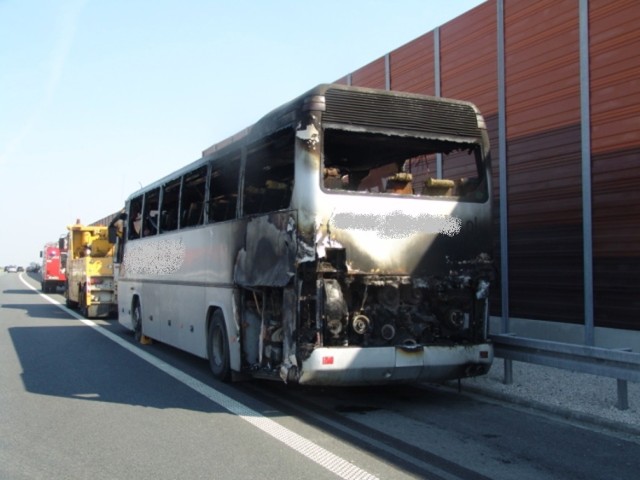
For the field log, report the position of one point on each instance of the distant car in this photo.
(11, 269)
(20, 269)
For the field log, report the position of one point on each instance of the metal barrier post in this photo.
(623, 395)
(619, 363)
(508, 371)
(623, 392)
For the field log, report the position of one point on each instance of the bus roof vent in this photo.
(401, 111)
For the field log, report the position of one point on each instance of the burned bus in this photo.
(343, 239)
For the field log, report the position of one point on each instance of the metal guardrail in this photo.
(621, 364)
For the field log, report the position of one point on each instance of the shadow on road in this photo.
(43, 310)
(74, 362)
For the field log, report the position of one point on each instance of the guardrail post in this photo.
(623, 395)
(508, 371)
(623, 392)
(508, 365)
(619, 363)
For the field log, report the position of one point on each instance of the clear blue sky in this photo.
(99, 97)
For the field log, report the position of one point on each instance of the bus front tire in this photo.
(218, 346)
(136, 322)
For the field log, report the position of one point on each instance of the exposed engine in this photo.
(337, 308)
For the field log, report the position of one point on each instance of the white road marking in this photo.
(341, 467)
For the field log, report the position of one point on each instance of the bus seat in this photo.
(438, 186)
(332, 179)
(400, 183)
(169, 221)
(276, 196)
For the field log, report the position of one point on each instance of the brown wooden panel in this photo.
(616, 204)
(614, 44)
(371, 75)
(615, 109)
(545, 225)
(544, 144)
(544, 177)
(615, 292)
(412, 67)
(542, 65)
(545, 272)
(614, 47)
(468, 58)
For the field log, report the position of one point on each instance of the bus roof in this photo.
(463, 118)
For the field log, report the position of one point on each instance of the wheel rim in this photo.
(217, 347)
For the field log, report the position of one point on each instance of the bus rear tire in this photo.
(218, 348)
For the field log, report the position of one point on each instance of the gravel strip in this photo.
(577, 396)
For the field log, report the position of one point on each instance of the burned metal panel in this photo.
(269, 255)
(411, 66)
(370, 269)
(397, 243)
(419, 116)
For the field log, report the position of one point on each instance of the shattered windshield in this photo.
(365, 162)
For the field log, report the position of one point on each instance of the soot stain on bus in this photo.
(342, 307)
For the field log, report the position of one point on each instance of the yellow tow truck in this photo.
(90, 282)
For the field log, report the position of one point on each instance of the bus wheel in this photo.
(136, 321)
(218, 348)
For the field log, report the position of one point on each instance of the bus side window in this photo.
(278, 195)
(150, 214)
(170, 203)
(169, 220)
(223, 189)
(193, 215)
(135, 218)
(269, 174)
(192, 198)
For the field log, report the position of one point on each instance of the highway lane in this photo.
(77, 404)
